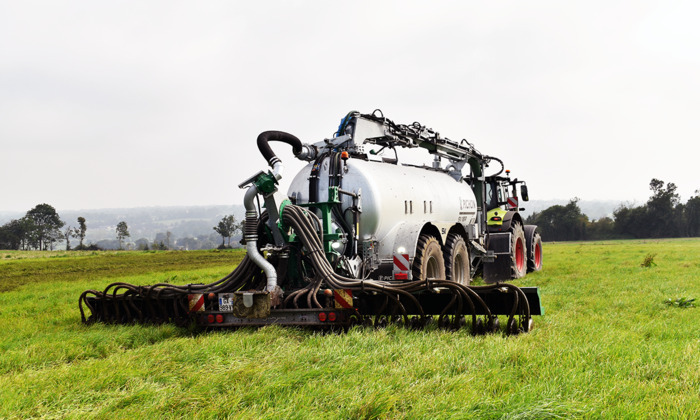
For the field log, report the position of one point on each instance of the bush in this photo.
(91, 247)
(648, 261)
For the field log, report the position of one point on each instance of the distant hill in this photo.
(594, 209)
(198, 221)
(146, 222)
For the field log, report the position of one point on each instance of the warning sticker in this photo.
(401, 262)
(343, 298)
(226, 302)
(196, 302)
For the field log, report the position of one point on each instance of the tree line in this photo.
(662, 216)
(42, 229)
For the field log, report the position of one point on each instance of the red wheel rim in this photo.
(519, 254)
(538, 255)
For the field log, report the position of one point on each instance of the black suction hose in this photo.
(267, 136)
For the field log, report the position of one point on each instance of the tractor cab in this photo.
(502, 197)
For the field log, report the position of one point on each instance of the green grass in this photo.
(609, 346)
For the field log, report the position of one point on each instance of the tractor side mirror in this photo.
(523, 193)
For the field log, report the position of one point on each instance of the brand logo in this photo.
(466, 204)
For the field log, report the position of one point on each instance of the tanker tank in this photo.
(396, 201)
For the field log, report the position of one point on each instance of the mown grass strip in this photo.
(18, 272)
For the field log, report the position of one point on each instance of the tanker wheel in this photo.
(457, 266)
(428, 262)
(518, 261)
(534, 260)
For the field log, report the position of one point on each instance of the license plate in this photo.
(226, 302)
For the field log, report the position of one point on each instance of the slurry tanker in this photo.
(361, 237)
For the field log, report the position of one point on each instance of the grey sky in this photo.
(121, 104)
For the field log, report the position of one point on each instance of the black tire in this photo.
(428, 262)
(518, 257)
(457, 262)
(534, 254)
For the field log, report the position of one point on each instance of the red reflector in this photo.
(219, 318)
(322, 316)
(496, 219)
(401, 276)
(331, 316)
(210, 318)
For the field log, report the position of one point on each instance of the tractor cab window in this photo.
(493, 195)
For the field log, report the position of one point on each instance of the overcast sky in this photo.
(157, 103)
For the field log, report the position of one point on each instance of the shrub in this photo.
(648, 261)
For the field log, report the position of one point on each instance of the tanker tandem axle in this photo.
(361, 238)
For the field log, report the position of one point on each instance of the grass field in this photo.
(607, 347)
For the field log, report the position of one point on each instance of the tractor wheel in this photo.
(428, 262)
(518, 260)
(534, 254)
(457, 266)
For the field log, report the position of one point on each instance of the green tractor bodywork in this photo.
(495, 216)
